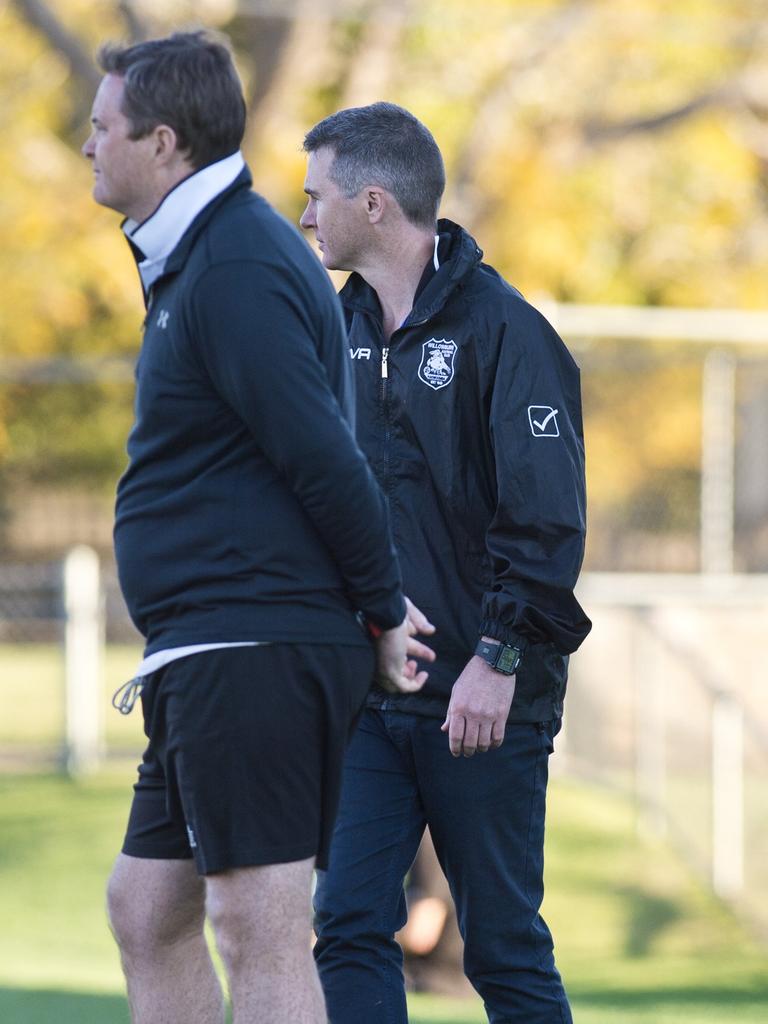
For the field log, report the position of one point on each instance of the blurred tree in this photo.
(600, 152)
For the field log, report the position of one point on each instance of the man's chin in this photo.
(102, 198)
(99, 196)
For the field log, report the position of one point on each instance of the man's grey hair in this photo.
(385, 145)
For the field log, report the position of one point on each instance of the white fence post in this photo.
(83, 646)
(650, 733)
(718, 454)
(727, 797)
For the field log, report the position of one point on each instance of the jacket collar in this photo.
(458, 255)
(161, 243)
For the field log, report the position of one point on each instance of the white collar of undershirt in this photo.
(160, 233)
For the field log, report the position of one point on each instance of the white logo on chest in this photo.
(162, 318)
(360, 353)
(436, 367)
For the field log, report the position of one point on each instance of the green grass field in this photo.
(638, 940)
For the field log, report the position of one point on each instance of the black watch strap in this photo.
(503, 657)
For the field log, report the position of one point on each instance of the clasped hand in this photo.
(396, 650)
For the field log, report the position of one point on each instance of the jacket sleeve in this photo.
(536, 538)
(257, 338)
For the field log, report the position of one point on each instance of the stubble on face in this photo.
(122, 166)
(338, 220)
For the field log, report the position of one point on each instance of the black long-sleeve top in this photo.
(247, 511)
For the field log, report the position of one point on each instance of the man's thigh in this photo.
(486, 814)
(378, 829)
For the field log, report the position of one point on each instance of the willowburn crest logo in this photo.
(436, 367)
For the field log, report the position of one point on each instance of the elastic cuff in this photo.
(496, 629)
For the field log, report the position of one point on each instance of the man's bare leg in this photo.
(262, 920)
(157, 913)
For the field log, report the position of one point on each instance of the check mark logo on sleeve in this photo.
(543, 421)
(542, 425)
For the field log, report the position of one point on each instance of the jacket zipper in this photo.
(385, 410)
(385, 405)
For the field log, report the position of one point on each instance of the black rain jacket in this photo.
(471, 420)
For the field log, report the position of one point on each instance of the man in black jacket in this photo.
(253, 548)
(468, 408)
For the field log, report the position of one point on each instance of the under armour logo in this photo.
(162, 319)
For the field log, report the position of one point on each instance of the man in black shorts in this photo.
(253, 548)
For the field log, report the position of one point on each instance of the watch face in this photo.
(508, 660)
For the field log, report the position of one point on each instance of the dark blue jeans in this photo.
(486, 816)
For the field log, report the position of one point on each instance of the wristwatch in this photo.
(503, 657)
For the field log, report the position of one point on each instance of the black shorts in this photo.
(245, 753)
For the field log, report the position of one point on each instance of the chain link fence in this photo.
(32, 604)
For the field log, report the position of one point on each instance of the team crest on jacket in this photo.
(436, 367)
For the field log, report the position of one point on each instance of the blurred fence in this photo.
(33, 604)
(66, 643)
(666, 701)
(675, 417)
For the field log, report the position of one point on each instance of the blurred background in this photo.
(611, 158)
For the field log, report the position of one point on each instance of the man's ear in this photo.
(166, 143)
(375, 203)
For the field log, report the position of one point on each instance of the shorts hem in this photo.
(255, 859)
(146, 851)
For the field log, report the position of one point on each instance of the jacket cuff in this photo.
(496, 629)
(385, 617)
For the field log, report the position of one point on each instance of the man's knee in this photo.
(154, 905)
(335, 916)
(261, 912)
(342, 910)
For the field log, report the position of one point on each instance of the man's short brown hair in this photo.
(187, 81)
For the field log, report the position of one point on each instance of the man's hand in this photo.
(418, 623)
(477, 713)
(396, 649)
